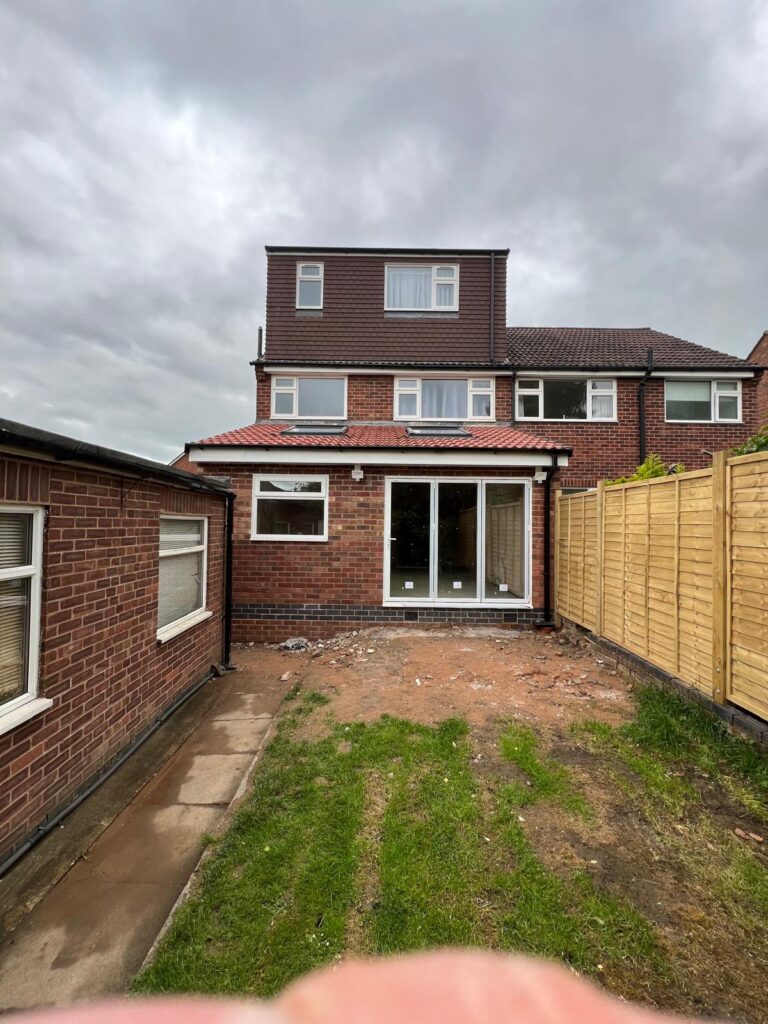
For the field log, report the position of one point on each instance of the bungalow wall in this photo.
(100, 661)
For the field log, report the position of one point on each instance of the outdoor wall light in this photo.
(357, 473)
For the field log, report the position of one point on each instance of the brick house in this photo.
(112, 611)
(406, 442)
(759, 356)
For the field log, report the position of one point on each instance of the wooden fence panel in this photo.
(652, 570)
(577, 558)
(747, 592)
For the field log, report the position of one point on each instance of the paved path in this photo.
(90, 934)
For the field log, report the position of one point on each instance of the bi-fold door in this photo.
(457, 541)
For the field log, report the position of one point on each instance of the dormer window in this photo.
(309, 286)
(420, 289)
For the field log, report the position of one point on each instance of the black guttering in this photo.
(66, 449)
(378, 364)
(553, 452)
(378, 250)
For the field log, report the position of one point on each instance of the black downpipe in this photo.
(641, 407)
(548, 613)
(492, 325)
(228, 562)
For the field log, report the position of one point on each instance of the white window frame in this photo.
(713, 402)
(433, 308)
(172, 629)
(27, 705)
(480, 600)
(300, 278)
(472, 389)
(321, 495)
(539, 391)
(293, 389)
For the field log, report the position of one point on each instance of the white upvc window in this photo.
(415, 288)
(314, 398)
(182, 584)
(444, 398)
(21, 559)
(565, 398)
(702, 401)
(290, 508)
(309, 285)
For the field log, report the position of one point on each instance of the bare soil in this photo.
(550, 681)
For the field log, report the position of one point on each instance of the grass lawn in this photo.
(386, 836)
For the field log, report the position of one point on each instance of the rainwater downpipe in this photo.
(228, 563)
(492, 319)
(642, 452)
(549, 619)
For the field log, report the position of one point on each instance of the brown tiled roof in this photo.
(277, 435)
(610, 348)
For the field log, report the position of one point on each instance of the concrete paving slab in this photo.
(90, 933)
(230, 736)
(149, 843)
(242, 705)
(84, 939)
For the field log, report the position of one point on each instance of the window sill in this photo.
(281, 537)
(530, 419)
(23, 712)
(423, 314)
(708, 423)
(182, 625)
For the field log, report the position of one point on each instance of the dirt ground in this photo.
(488, 676)
(481, 674)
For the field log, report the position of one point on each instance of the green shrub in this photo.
(647, 470)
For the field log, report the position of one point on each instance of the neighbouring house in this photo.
(406, 442)
(112, 610)
(759, 356)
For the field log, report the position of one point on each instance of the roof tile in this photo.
(273, 435)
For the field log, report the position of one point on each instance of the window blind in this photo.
(15, 539)
(180, 583)
(14, 636)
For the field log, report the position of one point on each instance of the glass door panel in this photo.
(409, 542)
(505, 536)
(457, 541)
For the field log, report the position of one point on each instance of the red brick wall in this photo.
(353, 325)
(607, 450)
(759, 355)
(348, 569)
(100, 661)
(371, 397)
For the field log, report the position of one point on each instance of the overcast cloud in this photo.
(150, 148)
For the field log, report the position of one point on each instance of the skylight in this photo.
(438, 430)
(317, 429)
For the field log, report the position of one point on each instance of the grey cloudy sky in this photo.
(150, 148)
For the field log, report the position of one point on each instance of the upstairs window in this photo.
(566, 398)
(417, 289)
(444, 398)
(323, 398)
(309, 286)
(703, 401)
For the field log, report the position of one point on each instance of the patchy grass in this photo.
(377, 838)
(389, 836)
(546, 779)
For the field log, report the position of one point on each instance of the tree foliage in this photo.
(757, 443)
(647, 470)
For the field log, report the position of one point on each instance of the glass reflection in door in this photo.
(409, 546)
(457, 540)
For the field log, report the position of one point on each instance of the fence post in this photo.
(557, 617)
(599, 559)
(719, 568)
